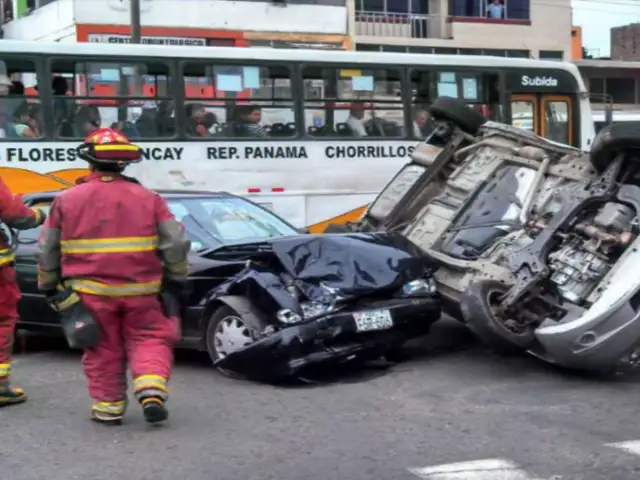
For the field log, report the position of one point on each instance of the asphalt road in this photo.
(452, 402)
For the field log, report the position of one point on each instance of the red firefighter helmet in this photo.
(109, 147)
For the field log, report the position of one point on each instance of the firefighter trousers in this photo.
(9, 297)
(134, 331)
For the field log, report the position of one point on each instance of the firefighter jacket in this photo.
(16, 215)
(110, 236)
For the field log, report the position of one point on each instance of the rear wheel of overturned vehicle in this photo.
(479, 309)
(227, 332)
(612, 140)
(458, 112)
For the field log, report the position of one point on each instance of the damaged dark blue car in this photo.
(267, 302)
(326, 299)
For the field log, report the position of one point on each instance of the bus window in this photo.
(238, 101)
(20, 108)
(353, 102)
(480, 91)
(131, 98)
(557, 126)
(523, 114)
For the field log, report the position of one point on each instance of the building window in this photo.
(394, 49)
(518, 53)
(428, 50)
(366, 47)
(491, 9)
(622, 90)
(494, 53)
(416, 7)
(551, 55)
(445, 51)
(596, 88)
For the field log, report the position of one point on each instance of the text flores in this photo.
(227, 152)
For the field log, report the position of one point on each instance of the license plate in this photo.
(373, 320)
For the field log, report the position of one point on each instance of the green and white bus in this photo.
(312, 134)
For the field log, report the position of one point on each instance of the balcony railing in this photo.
(401, 25)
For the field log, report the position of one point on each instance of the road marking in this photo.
(632, 446)
(488, 469)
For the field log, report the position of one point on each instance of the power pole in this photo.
(135, 21)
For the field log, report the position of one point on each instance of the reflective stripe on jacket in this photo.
(17, 215)
(109, 236)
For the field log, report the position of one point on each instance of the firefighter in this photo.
(16, 215)
(116, 244)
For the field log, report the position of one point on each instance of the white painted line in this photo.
(632, 447)
(488, 469)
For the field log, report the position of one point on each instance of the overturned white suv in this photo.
(537, 242)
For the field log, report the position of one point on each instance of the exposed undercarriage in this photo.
(527, 232)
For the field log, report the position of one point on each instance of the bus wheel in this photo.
(612, 140)
(458, 112)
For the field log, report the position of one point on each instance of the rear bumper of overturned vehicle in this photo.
(331, 339)
(602, 343)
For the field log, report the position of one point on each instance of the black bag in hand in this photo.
(80, 328)
(172, 296)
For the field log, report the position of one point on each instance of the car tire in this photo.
(224, 313)
(337, 228)
(458, 112)
(479, 315)
(612, 140)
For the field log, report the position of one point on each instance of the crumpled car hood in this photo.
(350, 265)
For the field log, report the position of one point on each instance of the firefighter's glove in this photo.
(41, 216)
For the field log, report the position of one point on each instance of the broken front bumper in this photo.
(333, 338)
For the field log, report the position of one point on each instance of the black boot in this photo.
(10, 395)
(108, 413)
(154, 409)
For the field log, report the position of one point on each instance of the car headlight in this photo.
(314, 309)
(309, 310)
(288, 316)
(416, 288)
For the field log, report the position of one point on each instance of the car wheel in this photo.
(229, 331)
(612, 140)
(337, 228)
(458, 112)
(478, 310)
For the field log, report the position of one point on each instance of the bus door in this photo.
(550, 116)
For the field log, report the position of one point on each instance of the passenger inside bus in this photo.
(27, 120)
(246, 122)
(421, 121)
(355, 121)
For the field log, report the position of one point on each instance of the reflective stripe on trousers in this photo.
(150, 386)
(109, 245)
(112, 408)
(6, 256)
(5, 370)
(92, 287)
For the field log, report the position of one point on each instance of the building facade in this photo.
(514, 28)
(625, 43)
(243, 23)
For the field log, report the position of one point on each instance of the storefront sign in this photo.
(173, 41)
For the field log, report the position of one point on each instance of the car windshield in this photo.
(214, 221)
